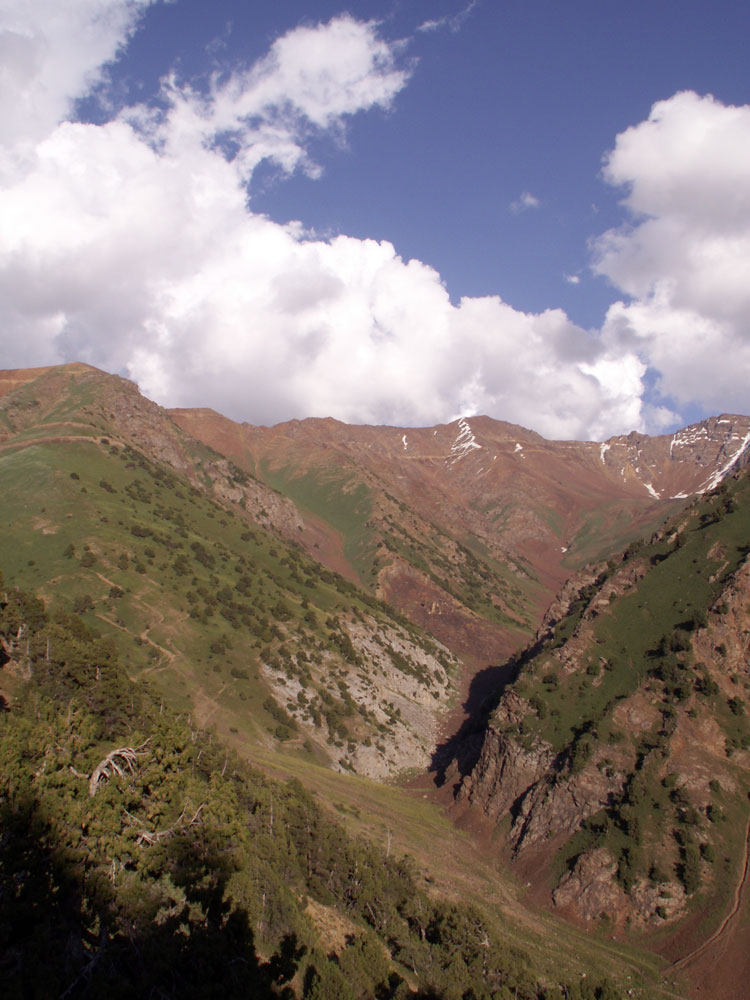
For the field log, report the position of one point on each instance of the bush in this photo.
(82, 604)
(689, 871)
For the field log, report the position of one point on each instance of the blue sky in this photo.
(505, 98)
(533, 209)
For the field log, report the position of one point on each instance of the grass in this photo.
(453, 866)
(609, 529)
(55, 498)
(339, 500)
(682, 581)
(195, 599)
(133, 521)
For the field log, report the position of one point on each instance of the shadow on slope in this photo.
(461, 750)
(66, 932)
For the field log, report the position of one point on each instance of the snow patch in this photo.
(465, 442)
(717, 477)
(691, 435)
(403, 438)
(517, 447)
(604, 448)
(652, 491)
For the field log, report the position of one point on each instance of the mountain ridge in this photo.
(380, 601)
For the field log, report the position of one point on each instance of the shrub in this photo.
(82, 604)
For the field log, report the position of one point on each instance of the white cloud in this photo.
(454, 22)
(525, 201)
(52, 52)
(311, 79)
(684, 260)
(131, 245)
(573, 279)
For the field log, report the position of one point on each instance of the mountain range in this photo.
(543, 642)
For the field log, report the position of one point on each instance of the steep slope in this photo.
(242, 570)
(141, 857)
(476, 507)
(618, 759)
(161, 560)
(377, 511)
(168, 551)
(459, 527)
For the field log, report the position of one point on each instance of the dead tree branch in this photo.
(119, 762)
(147, 837)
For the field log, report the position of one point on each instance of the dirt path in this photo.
(206, 706)
(721, 932)
(168, 656)
(14, 445)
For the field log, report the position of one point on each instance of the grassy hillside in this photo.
(194, 597)
(140, 855)
(176, 577)
(638, 701)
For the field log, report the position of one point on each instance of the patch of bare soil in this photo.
(423, 602)
(326, 545)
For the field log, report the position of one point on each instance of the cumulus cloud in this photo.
(52, 53)
(684, 259)
(131, 245)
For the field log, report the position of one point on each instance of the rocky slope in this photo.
(623, 747)
(195, 570)
(335, 590)
(466, 528)
(538, 509)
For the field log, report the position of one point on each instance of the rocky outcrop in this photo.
(728, 629)
(590, 891)
(267, 508)
(398, 687)
(566, 597)
(505, 771)
(656, 903)
(559, 805)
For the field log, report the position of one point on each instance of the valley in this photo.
(521, 663)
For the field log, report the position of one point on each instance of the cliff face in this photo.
(505, 772)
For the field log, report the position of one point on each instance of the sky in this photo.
(393, 212)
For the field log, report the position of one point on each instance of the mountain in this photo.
(616, 762)
(475, 524)
(194, 570)
(534, 626)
